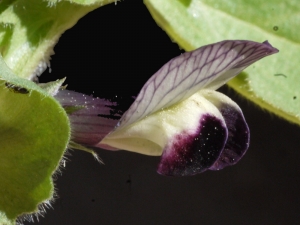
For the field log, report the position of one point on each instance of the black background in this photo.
(112, 52)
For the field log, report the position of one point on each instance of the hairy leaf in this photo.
(34, 128)
(34, 132)
(29, 29)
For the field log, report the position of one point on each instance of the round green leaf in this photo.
(34, 133)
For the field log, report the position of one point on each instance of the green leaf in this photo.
(34, 128)
(34, 133)
(29, 29)
(272, 83)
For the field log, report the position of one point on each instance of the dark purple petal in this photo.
(93, 121)
(238, 131)
(192, 153)
(207, 67)
(238, 137)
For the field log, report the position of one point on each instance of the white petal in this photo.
(157, 131)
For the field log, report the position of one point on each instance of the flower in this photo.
(178, 115)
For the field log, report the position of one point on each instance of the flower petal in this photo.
(193, 153)
(207, 67)
(238, 131)
(193, 129)
(90, 117)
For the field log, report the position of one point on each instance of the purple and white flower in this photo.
(177, 115)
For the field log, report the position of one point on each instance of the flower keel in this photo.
(238, 130)
(189, 154)
(218, 141)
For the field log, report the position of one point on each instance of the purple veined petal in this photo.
(207, 67)
(238, 132)
(89, 124)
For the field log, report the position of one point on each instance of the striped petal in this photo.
(210, 67)
(91, 118)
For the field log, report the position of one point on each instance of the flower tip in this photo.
(273, 50)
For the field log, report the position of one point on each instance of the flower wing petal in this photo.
(207, 67)
(238, 132)
(185, 126)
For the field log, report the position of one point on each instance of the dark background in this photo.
(112, 52)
